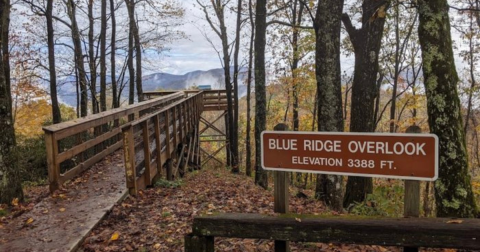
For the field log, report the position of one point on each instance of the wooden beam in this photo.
(411, 232)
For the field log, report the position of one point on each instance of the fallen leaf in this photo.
(298, 219)
(15, 202)
(156, 246)
(30, 220)
(45, 211)
(454, 221)
(62, 209)
(115, 236)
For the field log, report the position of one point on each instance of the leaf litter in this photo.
(158, 218)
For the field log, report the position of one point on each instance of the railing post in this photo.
(129, 157)
(146, 152)
(411, 204)
(167, 142)
(181, 120)
(53, 169)
(158, 144)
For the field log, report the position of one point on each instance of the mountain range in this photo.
(162, 81)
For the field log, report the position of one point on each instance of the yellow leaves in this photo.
(454, 221)
(29, 221)
(15, 202)
(380, 13)
(62, 209)
(30, 117)
(115, 236)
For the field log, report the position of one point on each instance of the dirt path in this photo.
(61, 221)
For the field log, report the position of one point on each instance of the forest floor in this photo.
(159, 217)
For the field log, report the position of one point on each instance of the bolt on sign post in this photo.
(387, 155)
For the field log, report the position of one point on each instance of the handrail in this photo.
(68, 141)
(151, 142)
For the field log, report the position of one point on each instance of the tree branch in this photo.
(351, 30)
(288, 24)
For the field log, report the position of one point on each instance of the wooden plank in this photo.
(179, 160)
(187, 159)
(194, 144)
(215, 108)
(413, 232)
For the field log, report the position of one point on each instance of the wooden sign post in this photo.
(280, 195)
(411, 205)
(410, 156)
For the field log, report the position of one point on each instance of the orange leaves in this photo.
(15, 202)
(115, 236)
(29, 221)
(456, 221)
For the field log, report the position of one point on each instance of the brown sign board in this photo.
(387, 155)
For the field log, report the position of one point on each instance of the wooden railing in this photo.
(405, 232)
(76, 145)
(212, 99)
(166, 138)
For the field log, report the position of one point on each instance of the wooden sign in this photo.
(388, 155)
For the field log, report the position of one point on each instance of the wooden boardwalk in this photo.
(87, 175)
(61, 222)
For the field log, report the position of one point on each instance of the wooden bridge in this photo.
(160, 138)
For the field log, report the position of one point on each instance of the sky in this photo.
(194, 52)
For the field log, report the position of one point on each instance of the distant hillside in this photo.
(162, 81)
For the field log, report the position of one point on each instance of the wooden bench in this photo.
(405, 232)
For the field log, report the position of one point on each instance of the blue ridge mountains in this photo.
(160, 81)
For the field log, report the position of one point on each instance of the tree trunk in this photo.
(366, 43)
(138, 58)
(92, 59)
(131, 69)
(57, 116)
(329, 85)
(295, 60)
(103, 56)
(453, 190)
(78, 51)
(10, 184)
(115, 95)
(235, 166)
(261, 177)
(248, 168)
